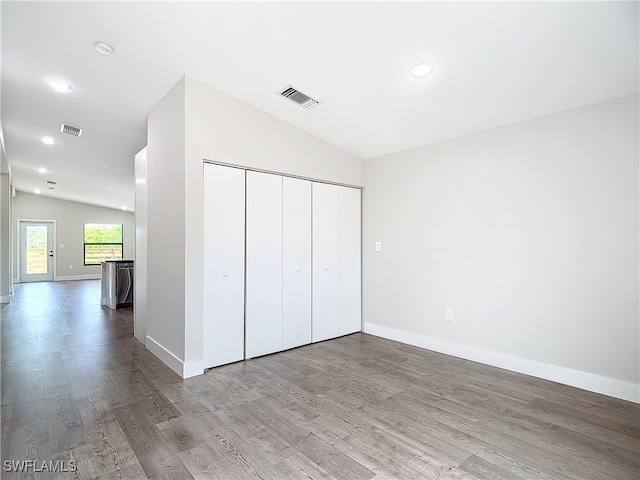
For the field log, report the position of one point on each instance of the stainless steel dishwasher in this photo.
(117, 283)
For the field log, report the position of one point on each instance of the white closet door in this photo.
(349, 231)
(223, 278)
(264, 264)
(296, 262)
(325, 322)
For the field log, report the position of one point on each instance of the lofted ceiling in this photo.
(495, 63)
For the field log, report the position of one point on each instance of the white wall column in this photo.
(140, 289)
(6, 228)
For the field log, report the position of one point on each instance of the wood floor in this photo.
(76, 387)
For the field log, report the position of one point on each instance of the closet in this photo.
(281, 263)
(278, 263)
(336, 261)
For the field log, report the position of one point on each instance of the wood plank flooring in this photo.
(76, 387)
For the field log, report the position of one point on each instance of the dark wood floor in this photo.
(76, 387)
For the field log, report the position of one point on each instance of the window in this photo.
(102, 241)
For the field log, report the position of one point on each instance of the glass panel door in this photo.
(36, 251)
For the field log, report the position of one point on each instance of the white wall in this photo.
(140, 290)
(221, 128)
(6, 229)
(70, 218)
(530, 232)
(166, 227)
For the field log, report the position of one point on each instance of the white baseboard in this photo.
(192, 369)
(566, 376)
(168, 358)
(5, 299)
(62, 278)
(184, 369)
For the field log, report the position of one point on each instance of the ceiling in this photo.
(494, 64)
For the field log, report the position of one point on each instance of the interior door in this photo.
(349, 232)
(36, 251)
(296, 262)
(264, 264)
(223, 275)
(325, 323)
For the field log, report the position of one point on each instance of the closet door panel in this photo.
(325, 323)
(223, 276)
(264, 264)
(349, 232)
(296, 262)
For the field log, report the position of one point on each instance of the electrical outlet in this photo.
(378, 246)
(448, 314)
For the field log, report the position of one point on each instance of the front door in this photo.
(36, 251)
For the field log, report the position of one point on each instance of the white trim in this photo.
(92, 276)
(184, 369)
(282, 174)
(168, 358)
(192, 369)
(5, 299)
(567, 376)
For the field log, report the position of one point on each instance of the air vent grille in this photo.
(70, 130)
(296, 96)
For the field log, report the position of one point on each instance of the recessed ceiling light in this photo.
(42, 170)
(104, 48)
(421, 70)
(48, 140)
(37, 191)
(59, 85)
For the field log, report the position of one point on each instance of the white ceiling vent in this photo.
(296, 96)
(70, 130)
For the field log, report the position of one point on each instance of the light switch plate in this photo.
(378, 246)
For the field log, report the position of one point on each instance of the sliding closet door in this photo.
(296, 262)
(223, 278)
(325, 323)
(264, 264)
(349, 241)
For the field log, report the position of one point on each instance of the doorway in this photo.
(36, 251)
